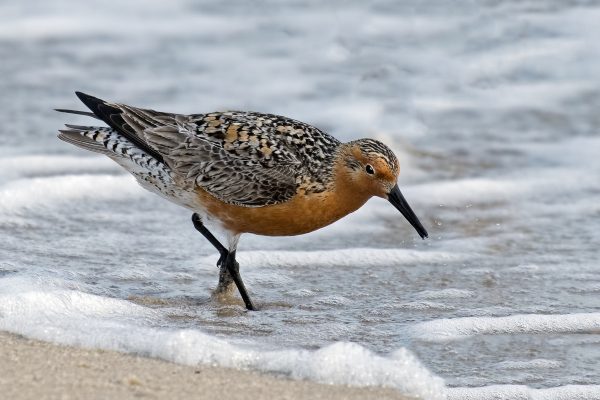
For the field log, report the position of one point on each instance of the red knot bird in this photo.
(244, 172)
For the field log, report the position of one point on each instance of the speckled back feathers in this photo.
(242, 158)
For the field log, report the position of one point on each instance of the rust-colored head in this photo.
(369, 168)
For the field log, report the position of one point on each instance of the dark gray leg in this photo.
(225, 279)
(229, 268)
(234, 273)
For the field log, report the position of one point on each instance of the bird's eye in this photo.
(369, 169)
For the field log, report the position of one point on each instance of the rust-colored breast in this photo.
(302, 214)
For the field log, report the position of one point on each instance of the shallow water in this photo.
(491, 107)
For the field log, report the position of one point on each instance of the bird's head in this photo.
(373, 169)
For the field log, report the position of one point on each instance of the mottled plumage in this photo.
(250, 172)
(243, 158)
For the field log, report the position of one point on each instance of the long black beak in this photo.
(395, 197)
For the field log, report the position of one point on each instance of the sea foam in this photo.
(460, 328)
(73, 317)
(363, 257)
(521, 392)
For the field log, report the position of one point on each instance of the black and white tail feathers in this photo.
(124, 142)
(130, 127)
(88, 137)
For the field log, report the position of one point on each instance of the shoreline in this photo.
(35, 369)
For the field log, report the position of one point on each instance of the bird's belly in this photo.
(301, 214)
(164, 186)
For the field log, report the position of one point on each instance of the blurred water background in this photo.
(492, 107)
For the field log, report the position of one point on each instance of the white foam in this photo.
(449, 293)
(31, 165)
(76, 318)
(47, 191)
(538, 363)
(520, 392)
(351, 258)
(301, 293)
(460, 191)
(460, 328)
(527, 184)
(425, 305)
(56, 25)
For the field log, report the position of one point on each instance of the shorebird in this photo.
(244, 172)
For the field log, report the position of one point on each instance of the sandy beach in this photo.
(32, 369)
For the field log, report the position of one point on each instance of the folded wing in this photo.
(236, 157)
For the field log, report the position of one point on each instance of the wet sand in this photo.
(31, 369)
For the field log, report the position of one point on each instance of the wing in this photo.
(235, 177)
(243, 158)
